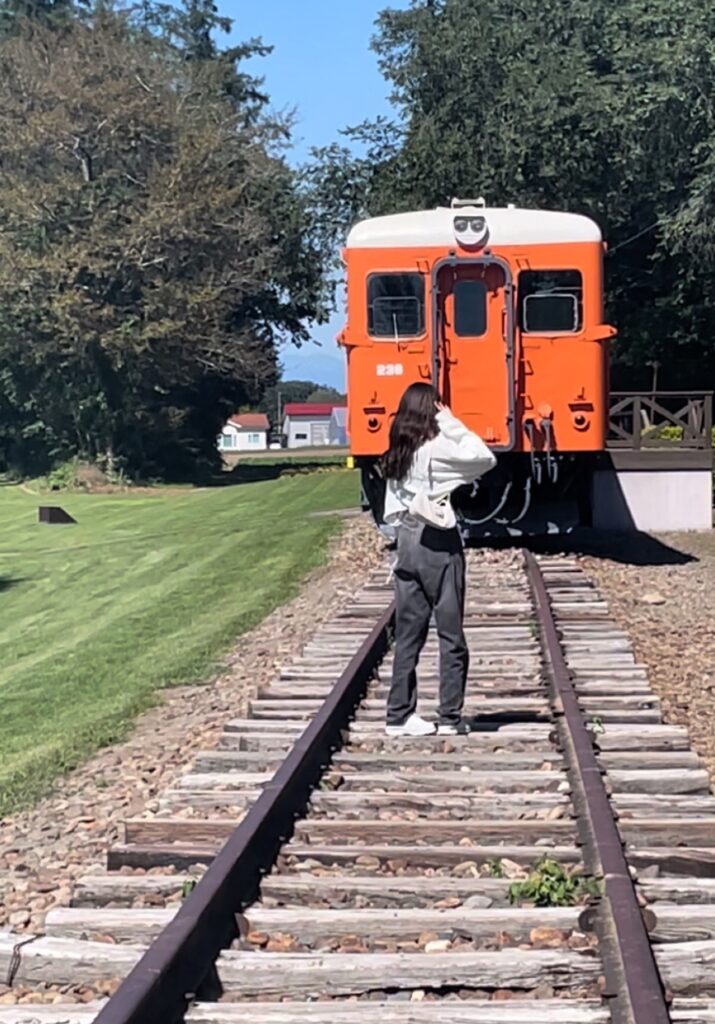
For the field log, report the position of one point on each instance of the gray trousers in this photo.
(429, 578)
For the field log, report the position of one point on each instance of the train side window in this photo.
(395, 305)
(551, 301)
(470, 309)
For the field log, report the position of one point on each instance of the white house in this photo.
(307, 424)
(244, 432)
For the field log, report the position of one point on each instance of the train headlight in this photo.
(470, 231)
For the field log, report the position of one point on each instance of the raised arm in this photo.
(457, 449)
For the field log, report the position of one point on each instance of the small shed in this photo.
(339, 426)
(307, 424)
(244, 432)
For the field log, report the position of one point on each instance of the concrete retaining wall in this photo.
(652, 500)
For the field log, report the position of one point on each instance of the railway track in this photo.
(403, 894)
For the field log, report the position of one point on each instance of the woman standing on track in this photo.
(431, 454)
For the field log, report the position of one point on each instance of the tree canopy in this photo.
(585, 105)
(154, 247)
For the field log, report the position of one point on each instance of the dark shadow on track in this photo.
(632, 548)
(497, 720)
(6, 582)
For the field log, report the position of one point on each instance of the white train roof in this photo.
(506, 226)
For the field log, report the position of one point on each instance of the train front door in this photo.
(474, 348)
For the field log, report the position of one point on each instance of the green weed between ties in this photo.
(550, 885)
(495, 868)
(188, 887)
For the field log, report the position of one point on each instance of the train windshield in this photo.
(395, 305)
(551, 301)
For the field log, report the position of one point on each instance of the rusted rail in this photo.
(180, 963)
(634, 985)
(411, 847)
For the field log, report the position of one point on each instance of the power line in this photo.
(696, 194)
(633, 238)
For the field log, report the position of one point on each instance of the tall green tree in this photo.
(194, 29)
(586, 105)
(153, 249)
(54, 13)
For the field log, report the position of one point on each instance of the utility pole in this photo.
(279, 425)
(655, 366)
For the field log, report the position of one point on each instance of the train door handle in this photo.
(448, 353)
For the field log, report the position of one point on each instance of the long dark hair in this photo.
(415, 422)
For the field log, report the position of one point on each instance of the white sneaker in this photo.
(458, 729)
(414, 726)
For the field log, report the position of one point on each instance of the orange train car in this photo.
(502, 309)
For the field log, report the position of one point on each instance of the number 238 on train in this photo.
(501, 309)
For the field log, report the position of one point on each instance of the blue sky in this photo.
(323, 68)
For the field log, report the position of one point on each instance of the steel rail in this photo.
(180, 961)
(633, 983)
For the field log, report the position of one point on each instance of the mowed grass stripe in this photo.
(116, 588)
(112, 598)
(92, 628)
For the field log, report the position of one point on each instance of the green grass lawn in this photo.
(146, 591)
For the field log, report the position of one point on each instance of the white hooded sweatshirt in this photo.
(453, 458)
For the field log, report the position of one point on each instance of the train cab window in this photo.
(551, 301)
(470, 309)
(395, 305)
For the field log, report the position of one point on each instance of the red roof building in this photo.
(249, 420)
(307, 424)
(245, 432)
(295, 409)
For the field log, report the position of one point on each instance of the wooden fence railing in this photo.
(660, 419)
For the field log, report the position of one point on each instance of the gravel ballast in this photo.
(668, 611)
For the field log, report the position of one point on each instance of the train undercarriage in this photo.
(524, 495)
